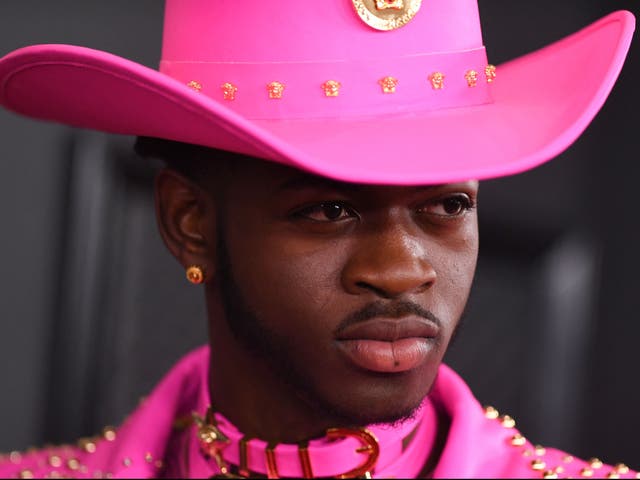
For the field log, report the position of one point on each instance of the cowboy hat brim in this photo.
(542, 103)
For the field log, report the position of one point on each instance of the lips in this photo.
(388, 345)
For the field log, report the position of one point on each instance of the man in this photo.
(336, 273)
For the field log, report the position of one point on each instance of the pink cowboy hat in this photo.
(373, 91)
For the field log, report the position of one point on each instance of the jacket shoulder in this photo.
(91, 457)
(523, 459)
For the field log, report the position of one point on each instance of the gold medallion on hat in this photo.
(386, 14)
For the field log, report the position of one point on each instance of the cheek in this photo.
(289, 284)
(455, 267)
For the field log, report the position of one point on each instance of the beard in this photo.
(274, 349)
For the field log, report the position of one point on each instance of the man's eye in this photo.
(451, 206)
(326, 212)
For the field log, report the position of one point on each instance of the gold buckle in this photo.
(369, 445)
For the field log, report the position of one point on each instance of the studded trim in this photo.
(543, 462)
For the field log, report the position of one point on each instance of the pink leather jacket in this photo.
(153, 441)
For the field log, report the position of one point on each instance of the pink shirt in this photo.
(152, 442)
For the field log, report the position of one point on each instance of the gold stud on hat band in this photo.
(275, 89)
(195, 86)
(472, 78)
(437, 80)
(331, 88)
(388, 84)
(490, 73)
(228, 91)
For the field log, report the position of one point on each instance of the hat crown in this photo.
(321, 30)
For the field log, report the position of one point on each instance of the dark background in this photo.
(94, 310)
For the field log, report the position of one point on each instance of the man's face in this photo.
(350, 293)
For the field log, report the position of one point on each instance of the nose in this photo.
(389, 262)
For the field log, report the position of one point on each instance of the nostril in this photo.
(392, 289)
(381, 292)
(425, 286)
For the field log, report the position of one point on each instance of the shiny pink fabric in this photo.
(298, 31)
(360, 93)
(147, 445)
(537, 106)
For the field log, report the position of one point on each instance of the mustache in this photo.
(397, 309)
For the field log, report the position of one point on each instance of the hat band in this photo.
(326, 89)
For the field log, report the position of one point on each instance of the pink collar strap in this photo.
(378, 450)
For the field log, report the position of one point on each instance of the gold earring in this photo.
(195, 274)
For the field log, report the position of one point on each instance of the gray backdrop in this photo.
(94, 310)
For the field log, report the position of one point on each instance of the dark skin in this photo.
(290, 259)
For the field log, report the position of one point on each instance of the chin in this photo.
(387, 398)
(389, 413)
(388, 416)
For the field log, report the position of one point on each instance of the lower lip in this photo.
(387, 357)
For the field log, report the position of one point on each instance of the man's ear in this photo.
(186, 219)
